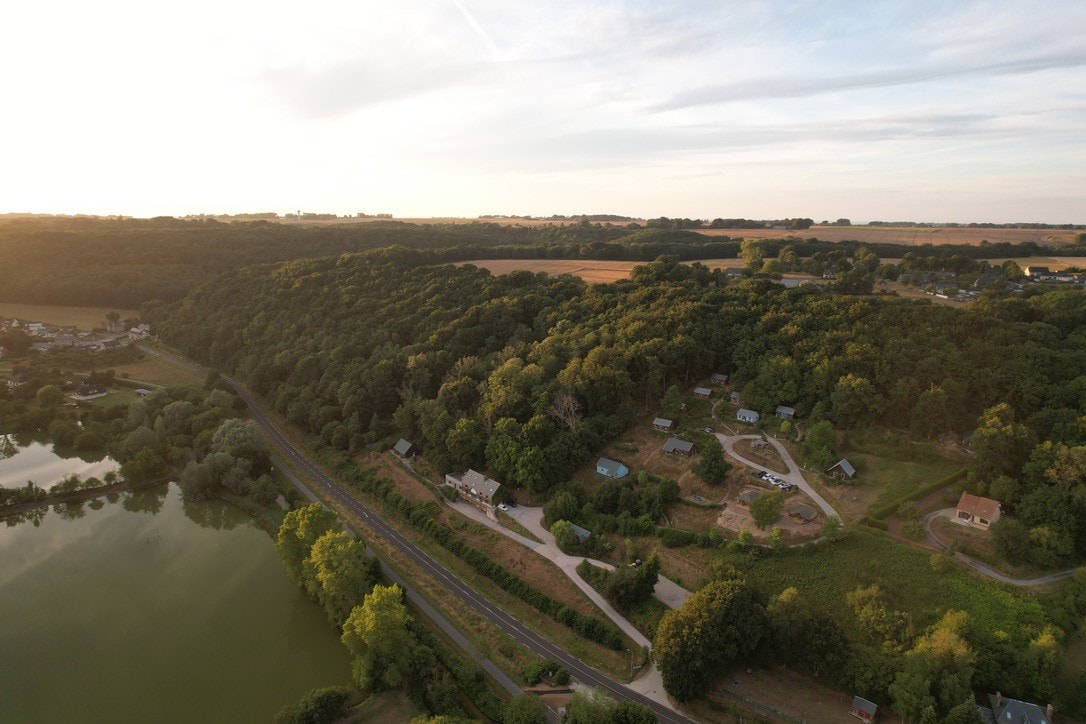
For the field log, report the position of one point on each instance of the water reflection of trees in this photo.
(148, 500)
(71, 510)
(34, 516)
(8, 448)
(210, 513)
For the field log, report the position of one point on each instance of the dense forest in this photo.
(126, 262)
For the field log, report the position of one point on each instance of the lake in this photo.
(31, 457)
(145, 607)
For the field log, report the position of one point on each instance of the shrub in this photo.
(318, 706)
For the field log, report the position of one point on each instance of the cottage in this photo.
(142, 392)
(404, 449)
(611, 468)
(703, 392)
(1012, 710)
(748, 497)
(735, 397)
(977, 511)
(1036, 272)
(88, 392)
(842, 470)
(802, 513)
(675, 446)
(863, 709)
(750, 416)
(718, 379)
(582, 534)
(477, 489)
(785, 413)
(663, 424)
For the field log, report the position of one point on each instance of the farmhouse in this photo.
(404, 449)
(477, 489)
(863, 709)
(703, 392)
(1013, 710)
(977, 511)
(675, 446)
(719, 379)
(735, 397)
(842, 470)
(745, 415)
(785, 413)
(663, 424)
(611, 468)
(1037, 272)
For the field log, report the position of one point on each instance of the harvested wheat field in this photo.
(905, 234)
(589, 270)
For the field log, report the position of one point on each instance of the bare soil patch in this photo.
(760, 692)
(764, 454)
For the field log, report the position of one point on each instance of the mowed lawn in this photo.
(157, 371)
(81, 317)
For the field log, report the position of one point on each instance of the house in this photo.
(784, 412)
(703, 392)
(735, 397)
(829, 274)
(476, 489)
(735, 272)
(802, 513)
(842, 470)
(748, 497)
(863, 709)
(404, 449)
(718, 379)
(88, 392)
(663, 424)
(140, 331)
(142, 392)
(611, 468)
(675, 446)
(1037, 272)
(745, 415)
(977, 511)
(1013, 710)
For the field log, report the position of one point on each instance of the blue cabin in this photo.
(611, 468)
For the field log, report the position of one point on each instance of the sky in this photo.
(925, 111)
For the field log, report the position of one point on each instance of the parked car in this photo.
(503, 507)
(710, 430)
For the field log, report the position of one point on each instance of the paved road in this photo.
(507, 623)
(980, 567)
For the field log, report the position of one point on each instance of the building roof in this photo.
(785, 410)
(674, 444)
(736, 395)
(845, 466)
(804, 511)
(861, 704)
(609, 466)
(977, 506)
(750, 496)
(1019, 712)
(702, 391)
(581, 533)
(479, 483)
(403, 447)
(663, 422)
(744, 412)
(718, 377)
(1031, 270)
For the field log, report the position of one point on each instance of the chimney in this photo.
(999, 699)
(1048, 711)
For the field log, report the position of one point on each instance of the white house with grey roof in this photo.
(477, 489)
(611, 468)
(749, 416)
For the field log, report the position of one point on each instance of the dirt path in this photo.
(979, 567)
(794, 474)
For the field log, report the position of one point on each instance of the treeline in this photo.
(526, 375)
(871, 648)
(126, 262)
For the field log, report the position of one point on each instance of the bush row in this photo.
(924, 490)
(471, 679)
(421, 516)
(675, 538)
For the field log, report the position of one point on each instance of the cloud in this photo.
(783, 87)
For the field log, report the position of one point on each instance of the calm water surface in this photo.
(33, 458)
(147, 608)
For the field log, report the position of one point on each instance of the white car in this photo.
(503, 507)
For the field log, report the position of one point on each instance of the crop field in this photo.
(591, 270)
(905, 234)
(81, 317)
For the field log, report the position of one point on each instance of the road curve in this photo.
(504, 621)
(794, 474)
(980, 567)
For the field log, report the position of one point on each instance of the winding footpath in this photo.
(520, 632)
(979, 567)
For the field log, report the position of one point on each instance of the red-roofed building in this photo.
(977, 511)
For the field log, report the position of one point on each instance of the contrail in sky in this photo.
(477, 28)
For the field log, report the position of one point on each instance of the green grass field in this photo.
(825, 573)
(891, 467)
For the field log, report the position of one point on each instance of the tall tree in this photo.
(378, 636)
